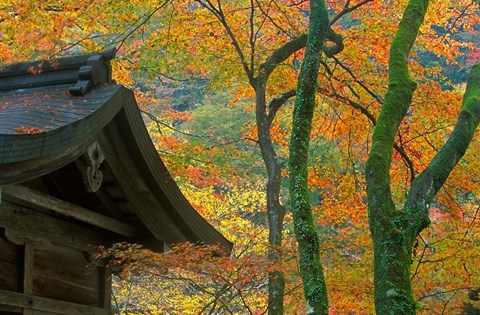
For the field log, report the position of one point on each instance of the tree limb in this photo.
(145, 20)
(336, 38)
(347, 10)
(427, 184)
(219, 14)
(283, 53)
(373, 120)
(278, 102)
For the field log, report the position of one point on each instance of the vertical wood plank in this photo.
(105, 278)
(28, 273)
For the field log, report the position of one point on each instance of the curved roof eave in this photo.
(45, 129)
(162, 189)
(29, 153)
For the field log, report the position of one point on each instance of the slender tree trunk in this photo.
(395, 231)
(264, 118)
(275, 210)
(314, 287)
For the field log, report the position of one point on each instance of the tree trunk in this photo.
(275, 211)
(264, 118)
(311, 270)
(394, 231)
(392, 247)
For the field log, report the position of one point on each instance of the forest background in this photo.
(192, 65)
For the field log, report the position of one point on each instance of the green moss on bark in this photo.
(394, 232)
(313, 279)
(391, 235)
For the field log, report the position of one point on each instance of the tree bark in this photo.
(275, 210)
(392, 249)
(394, 231)
(264, 118)
(311, 270)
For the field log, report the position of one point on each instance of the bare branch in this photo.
(350, 72)
(283, 53)
(145, 20)
(442, 292)
(373, 120)
(452, 26)
(347, 10)
(252, 35)
(265, 13)
(219, 14)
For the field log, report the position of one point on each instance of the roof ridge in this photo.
(84, 71)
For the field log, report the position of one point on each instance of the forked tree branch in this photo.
(373, 120)
(220, 15)
(278, 102)
(427, 184)
(347, 10)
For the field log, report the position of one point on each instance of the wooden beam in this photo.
(28, 273)
(10, 309)
(52, 306)
(38, 199)
(22, 225)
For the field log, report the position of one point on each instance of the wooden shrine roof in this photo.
(52, 112)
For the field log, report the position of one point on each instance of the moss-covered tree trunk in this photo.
(394, 231)
(275, 210)
(313, 279)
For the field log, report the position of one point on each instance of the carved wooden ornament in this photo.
(92, 175)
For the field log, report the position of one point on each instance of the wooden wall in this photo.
(43, 259)
(10, 262)
(61, 273)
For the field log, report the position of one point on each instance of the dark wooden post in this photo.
(28, 274)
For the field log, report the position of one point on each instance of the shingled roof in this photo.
(67, 124)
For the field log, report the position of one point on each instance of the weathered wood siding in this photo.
(10, 259)
(61, 273)
(46, 257)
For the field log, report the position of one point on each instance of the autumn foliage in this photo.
(204, 279)
(198, 107)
